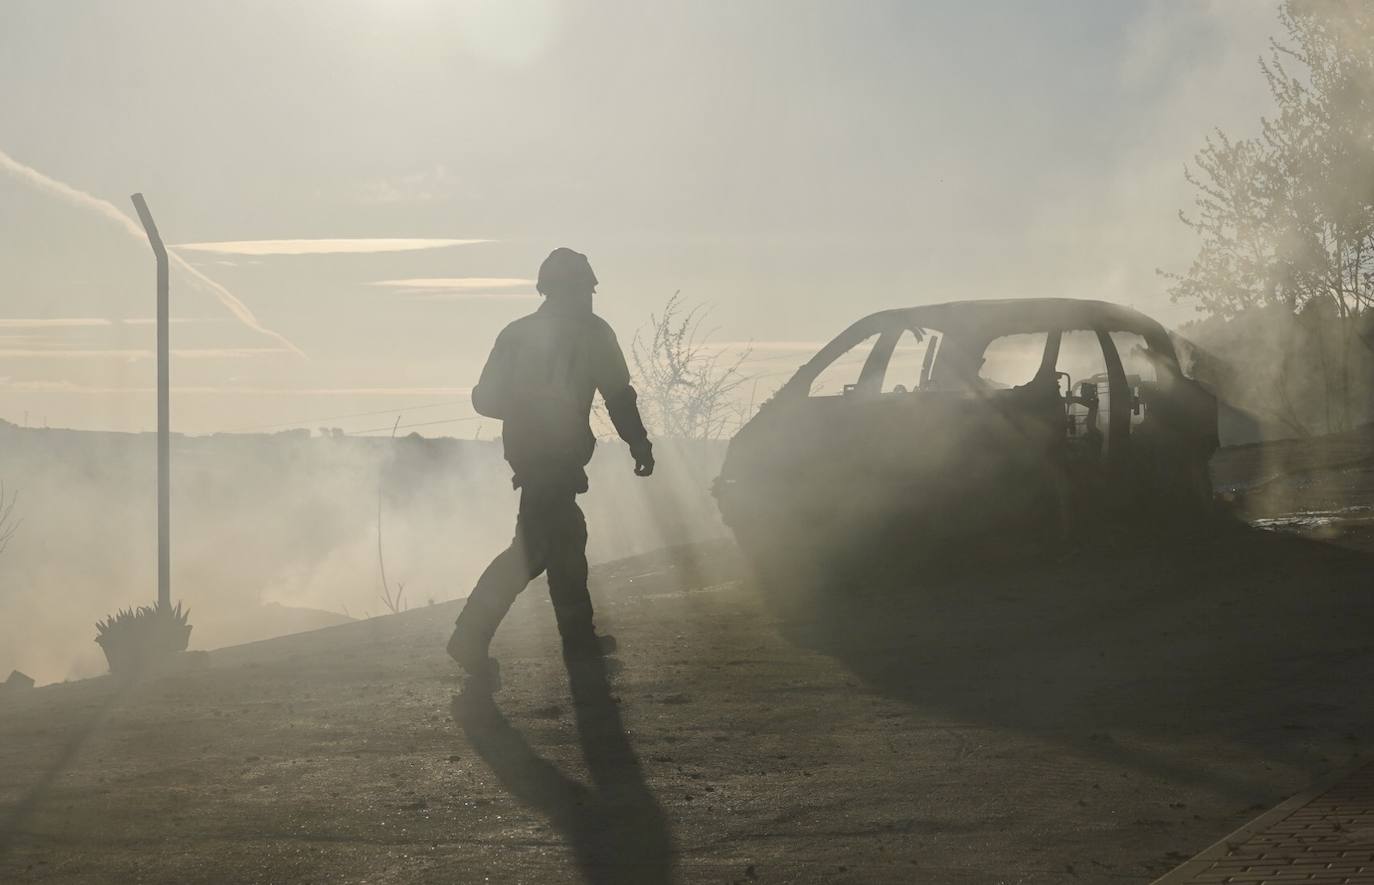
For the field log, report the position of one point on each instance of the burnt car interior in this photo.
(1012, 403)
(1105, 373)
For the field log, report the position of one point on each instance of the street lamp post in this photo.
(164, 473)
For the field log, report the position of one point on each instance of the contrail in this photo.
(108, 210)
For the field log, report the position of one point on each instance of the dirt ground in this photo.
(1097, 717)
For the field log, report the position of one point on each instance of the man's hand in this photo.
(644, 459)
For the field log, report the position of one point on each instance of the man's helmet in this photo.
(565, 269)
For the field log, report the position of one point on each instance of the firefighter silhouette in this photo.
(540, 379)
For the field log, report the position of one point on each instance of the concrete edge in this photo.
(1189, 869)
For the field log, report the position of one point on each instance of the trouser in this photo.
(550, 535)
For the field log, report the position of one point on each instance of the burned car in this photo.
(1033, 419)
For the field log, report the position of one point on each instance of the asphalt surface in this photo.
(1095, 718)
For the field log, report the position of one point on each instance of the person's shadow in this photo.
(615, 827)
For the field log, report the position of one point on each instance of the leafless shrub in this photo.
(394, 600)
(687, 385)
(8, 524)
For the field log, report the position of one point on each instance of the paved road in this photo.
(1093, 720)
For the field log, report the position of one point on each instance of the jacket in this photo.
(540, 380)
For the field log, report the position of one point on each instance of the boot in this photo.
(469, 646)
(580, 642)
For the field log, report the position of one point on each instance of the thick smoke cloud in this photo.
(266, 522)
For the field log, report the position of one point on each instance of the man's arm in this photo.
(613, 380)
(624, 411)
(491, 396)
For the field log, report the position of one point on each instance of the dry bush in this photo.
(8, 524)
(687, 386)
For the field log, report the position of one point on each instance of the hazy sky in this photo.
(376, 181)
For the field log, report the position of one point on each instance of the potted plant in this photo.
(133, 638)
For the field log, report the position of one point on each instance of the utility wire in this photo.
(393, 411)
(418, 424)
(456, 402)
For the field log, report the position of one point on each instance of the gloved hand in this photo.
(644, 459)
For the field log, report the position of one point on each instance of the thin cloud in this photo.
(431, 185)
(423, 295)
(43, 323)
(70, 387)
(108, 210)
(460, 288)
(780, 346)
(95, 322)
(33, 339)
(139, 354)
(175, 321)
(323, 246)
(226, 352)
(15, 353)
(456, 283)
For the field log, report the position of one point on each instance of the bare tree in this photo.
(8, 524)
(1285, 220)
(687, 385)
(394, 600)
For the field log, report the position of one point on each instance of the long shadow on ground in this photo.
(616, 829)
(1264, 641)
(13, 822)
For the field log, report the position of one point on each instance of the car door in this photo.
(804, 459)
(1095, 459)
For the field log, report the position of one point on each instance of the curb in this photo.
(1187, 871)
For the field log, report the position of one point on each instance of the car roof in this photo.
(975, 323)
(996, 317)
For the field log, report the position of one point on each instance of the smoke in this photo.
(1281, 374)
(274, 534)
(107, 210)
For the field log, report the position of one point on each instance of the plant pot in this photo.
(133, 639)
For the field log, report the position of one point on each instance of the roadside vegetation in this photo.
(8, 524)
(1284, 272)
(688, 387)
